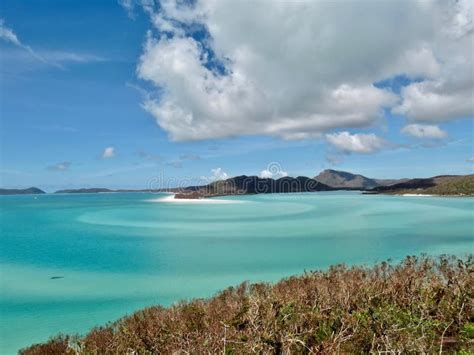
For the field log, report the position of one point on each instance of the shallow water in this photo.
(69, 262)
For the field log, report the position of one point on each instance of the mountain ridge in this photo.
(327, 180)
(346, 180)
(245, 185)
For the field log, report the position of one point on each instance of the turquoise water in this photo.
(69, 262)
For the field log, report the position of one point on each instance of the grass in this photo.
(422, 305)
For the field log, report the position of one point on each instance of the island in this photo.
(327, 180)
(332, 180)
(443, 185)
(28, 191)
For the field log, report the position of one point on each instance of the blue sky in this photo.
(190, 93)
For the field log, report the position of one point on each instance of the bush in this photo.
(421, 305)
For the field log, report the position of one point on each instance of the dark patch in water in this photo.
(57, 277)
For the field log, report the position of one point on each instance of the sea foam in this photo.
(171, 199)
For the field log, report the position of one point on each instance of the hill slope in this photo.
(242, 185)
(418, 306)
(438, 185)
(345, 180)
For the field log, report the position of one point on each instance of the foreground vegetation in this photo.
(420, 305)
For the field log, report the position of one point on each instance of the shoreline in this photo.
(205, 200)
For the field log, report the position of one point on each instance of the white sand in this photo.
(171, 199)
(416, 195)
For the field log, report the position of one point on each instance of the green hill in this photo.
(451, 185)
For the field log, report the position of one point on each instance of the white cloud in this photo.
(219, 174)
(49, 57)
(424, 131)
(128, 6)
(59, 57)
(267, 174)
(470, 160)
(216, 175)
(437, 101)
(298, 69)
(420, 61)
(109, 152)
(449, 94)
(356, 143)
(8, 35)
(63, 166)
(273, 171)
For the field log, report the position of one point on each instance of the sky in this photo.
(149, 94)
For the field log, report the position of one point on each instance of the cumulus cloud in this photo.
(219, 174)
(449, 94)
(424, 131)
(267, 174)
(298, 69)
(216, 175)
(437, 101)
(356, 143)
(273, 171)
(109, 152)
(63, 166)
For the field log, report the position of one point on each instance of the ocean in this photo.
(73, 261)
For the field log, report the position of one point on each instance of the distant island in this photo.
(327, 180)
(331, 180)
(28, 191)
(443, 185)
(245, 185)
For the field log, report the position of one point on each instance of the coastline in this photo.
(205, 200)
